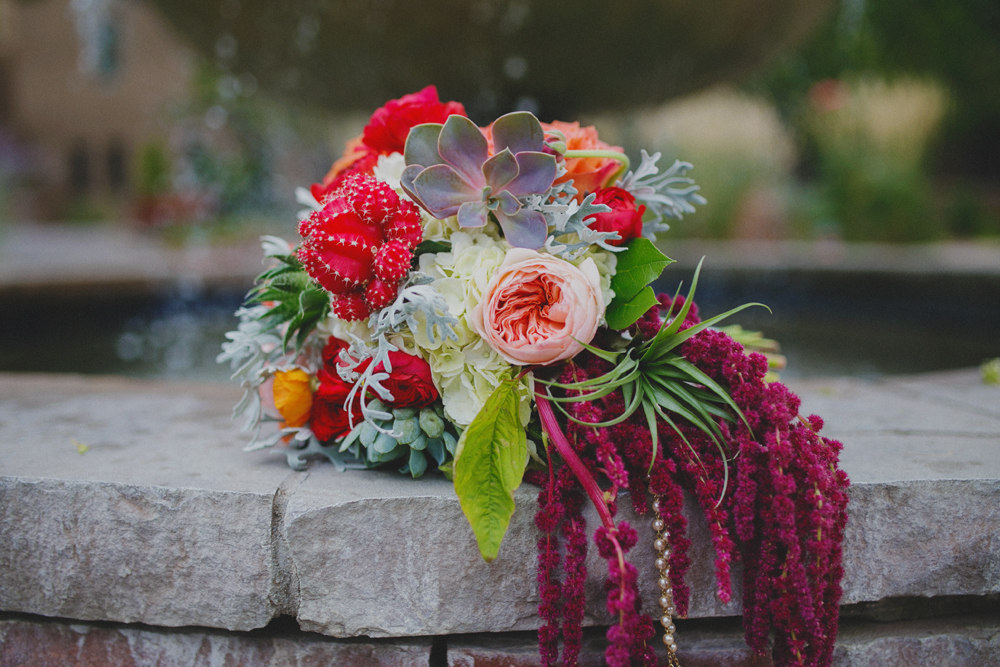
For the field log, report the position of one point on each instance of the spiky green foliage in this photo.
(297, 299)
(654, 377)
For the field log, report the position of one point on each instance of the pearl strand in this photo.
(662, 564)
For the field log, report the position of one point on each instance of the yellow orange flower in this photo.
(589, 174)
(293, 396)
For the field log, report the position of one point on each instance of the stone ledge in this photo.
(960, 641)
(164, 521)
(957, 641)
(43, 643)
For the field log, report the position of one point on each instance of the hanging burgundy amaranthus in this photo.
(783, 514)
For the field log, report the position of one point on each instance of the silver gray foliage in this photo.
(245, 352)
(417, 296)
(659, 192)
(564, 216)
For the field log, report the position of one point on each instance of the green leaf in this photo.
(623, 314)
(670, 327)
(639, 265)
(291, 282)
(489, 464)
(428, 246)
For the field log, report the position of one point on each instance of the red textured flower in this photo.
(387, 130)
(623, 217)
(409, 382)
(328, 418)
(341, 245)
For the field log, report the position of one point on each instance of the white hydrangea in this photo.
(466, 371)
(441, 230)
(390, 170)
(606, 262)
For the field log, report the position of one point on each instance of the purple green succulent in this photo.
(450, 171)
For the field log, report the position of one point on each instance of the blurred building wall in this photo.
(86, 114)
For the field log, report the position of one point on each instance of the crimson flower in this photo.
(385, 134)
(329, 419)
(623, 217)
(409, 381)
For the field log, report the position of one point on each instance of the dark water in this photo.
(827, 323)
(863, 324)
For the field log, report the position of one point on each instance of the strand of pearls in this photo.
(662, 564)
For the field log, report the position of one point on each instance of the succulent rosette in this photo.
(476, 302)
(449, 171)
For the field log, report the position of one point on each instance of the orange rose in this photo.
(589, 174)
(293, 396)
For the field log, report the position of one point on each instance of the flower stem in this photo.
(611, 155)
(583, 475)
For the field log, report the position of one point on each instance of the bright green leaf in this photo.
(623, 314)
(638, 266)
(489, 464)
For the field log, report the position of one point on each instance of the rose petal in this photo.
(538, 309)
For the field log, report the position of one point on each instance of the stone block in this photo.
(99, 551)
(161, 520)
(963, 641)
(922, 538)
(971, 641)
(56, 644)
(381, 556)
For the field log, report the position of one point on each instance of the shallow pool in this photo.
(828, 323)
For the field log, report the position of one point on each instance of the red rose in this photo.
(328, 418)
(386, 133)
(331, 352)
(387, 130)
(409, 382)
(623, 217)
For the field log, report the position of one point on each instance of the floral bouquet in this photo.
(476, 302)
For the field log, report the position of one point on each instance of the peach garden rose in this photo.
(589, 174)
(538, 309)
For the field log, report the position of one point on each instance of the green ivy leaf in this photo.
(621, 315)
(638, 266)
(489, 464)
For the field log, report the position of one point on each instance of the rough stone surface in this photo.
(964, 641)
(161, 521)
(972, 641)
(135, 553)
(414, 564)
(165, 521)
(53, 644)
(720, 645)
